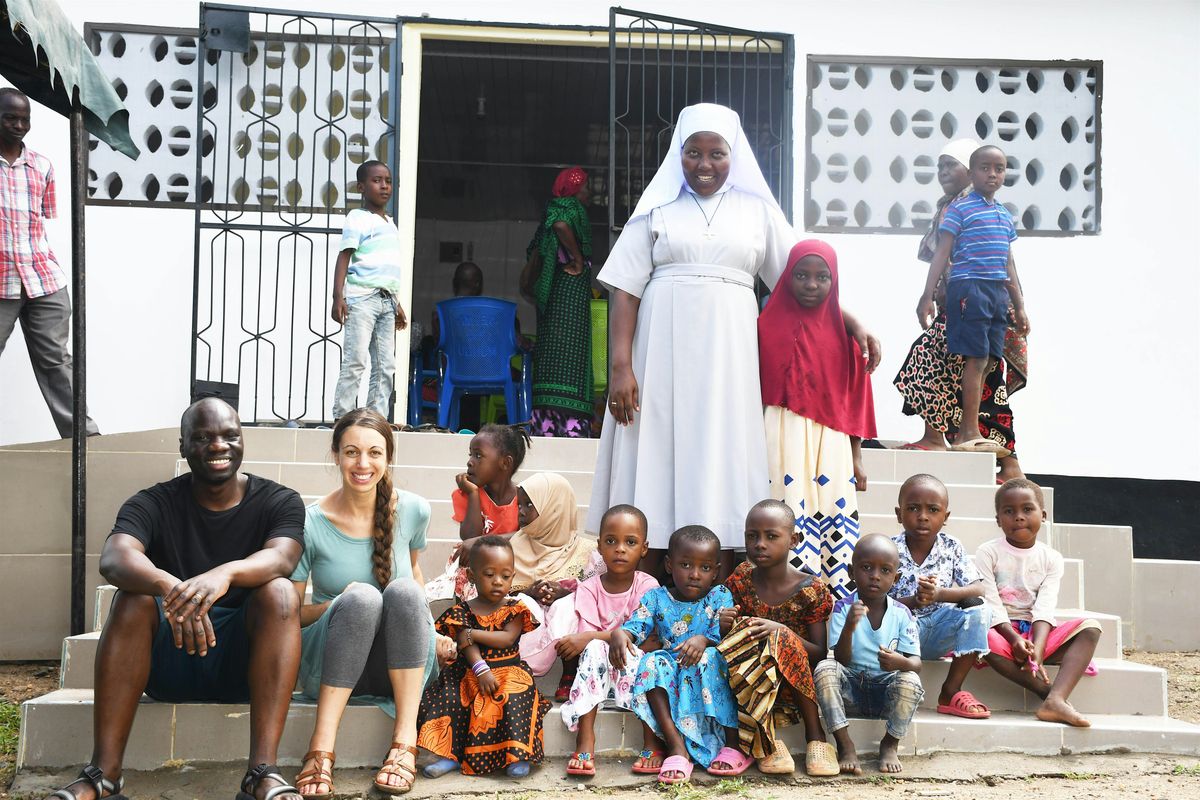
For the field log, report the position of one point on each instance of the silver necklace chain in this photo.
(708, 221)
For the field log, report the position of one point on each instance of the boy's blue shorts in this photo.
(976, 317)
(220, 676)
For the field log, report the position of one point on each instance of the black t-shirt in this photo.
(186, 539)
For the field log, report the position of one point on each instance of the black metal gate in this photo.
(658, 65)
(292, 103)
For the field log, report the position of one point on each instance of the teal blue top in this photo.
(334, 560)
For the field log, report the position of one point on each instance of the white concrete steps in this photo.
(57, 733)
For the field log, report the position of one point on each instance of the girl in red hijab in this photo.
(818, 408)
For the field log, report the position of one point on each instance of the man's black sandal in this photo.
(255, 775)
(92, 774)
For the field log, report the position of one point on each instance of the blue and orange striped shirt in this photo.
(982, 234)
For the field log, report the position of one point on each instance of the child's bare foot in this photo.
(847, 753)
(889, 755)
(1054, 710)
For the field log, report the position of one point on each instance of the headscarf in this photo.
(960, 150)
(743, 166)
(568, 181)
(549, 548)
(808, 364)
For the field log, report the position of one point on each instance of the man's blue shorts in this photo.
(220, 676)
(976, 317)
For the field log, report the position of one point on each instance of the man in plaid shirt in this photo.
(32, 285)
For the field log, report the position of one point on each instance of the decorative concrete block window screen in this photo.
(875, 126)
(285, 124)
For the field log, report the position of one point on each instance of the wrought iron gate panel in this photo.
(658, 65)
(289, 121)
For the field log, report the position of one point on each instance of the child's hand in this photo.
(340, 310)
(890, 660)
(488, 684)
(860, 474)
(571, 645)
(1022, 651)
(619, 645)
(1021, 321)
(465, 485)
(727, 616)
(856, 613)
(401, 319)
(927, 591)
(761, 628)
(926, 312)
(690, 651)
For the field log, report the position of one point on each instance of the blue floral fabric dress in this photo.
(702, 704)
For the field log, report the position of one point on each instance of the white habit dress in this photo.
(696, 454)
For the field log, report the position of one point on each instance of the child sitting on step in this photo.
(1021, 577)
(485, 501)
(682, 690)
(600, 605)
(483, 713)
(876, 664)
(936, 577)
(769, 638)
(816, 394)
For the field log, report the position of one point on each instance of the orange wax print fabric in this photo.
(757, 667)
(484, 734)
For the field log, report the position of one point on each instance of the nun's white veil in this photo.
(744, 173)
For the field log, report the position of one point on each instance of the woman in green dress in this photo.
(558, 280)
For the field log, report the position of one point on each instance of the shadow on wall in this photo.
(1163, 514)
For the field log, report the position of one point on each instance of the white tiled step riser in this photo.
(267, 444)
(433, 477)
(56, 733)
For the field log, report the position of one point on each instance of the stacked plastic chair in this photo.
(478, 340)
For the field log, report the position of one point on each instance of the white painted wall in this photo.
(1115, 353)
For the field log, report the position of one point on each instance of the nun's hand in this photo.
(623, 395)
(871, 349)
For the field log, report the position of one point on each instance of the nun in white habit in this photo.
(683, 436)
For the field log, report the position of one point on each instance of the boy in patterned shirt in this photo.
(936, 577)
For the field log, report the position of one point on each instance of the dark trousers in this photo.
(46, 325)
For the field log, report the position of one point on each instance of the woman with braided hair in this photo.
(558, 281)
(367, 630)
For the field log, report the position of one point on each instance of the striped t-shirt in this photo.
(375, 263)
(982, 232)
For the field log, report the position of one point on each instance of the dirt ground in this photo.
(944, 775)
(1183, 680)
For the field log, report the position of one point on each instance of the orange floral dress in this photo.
(484, 734)
(756, 667)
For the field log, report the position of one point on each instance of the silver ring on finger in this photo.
(198, 599)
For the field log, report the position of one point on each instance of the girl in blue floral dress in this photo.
(682, 691)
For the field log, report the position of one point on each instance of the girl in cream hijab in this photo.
(551, 556)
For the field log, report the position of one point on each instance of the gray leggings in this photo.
(370, 632)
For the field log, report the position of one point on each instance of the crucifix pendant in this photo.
(708, 234)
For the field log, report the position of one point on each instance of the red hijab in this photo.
(568, 181)
(807, 362)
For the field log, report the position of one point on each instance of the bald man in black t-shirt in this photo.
(204, 610)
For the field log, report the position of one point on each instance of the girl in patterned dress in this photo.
(484, 712)
(816, 393)
(682, 690)
(602, 603)
(776, 627)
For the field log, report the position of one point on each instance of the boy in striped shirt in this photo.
(974, 245)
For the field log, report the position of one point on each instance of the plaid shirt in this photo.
(26, 199)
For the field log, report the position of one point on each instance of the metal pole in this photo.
(79, 371)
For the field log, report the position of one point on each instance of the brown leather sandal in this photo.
(317, 773)
(392, 766)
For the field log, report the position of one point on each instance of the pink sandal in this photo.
(964, 705)
(738, 762)
(676, 764)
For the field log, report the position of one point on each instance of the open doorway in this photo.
(498, 122)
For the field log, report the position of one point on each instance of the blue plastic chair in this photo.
(477, 341)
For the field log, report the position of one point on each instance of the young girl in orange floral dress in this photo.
(484, 713)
